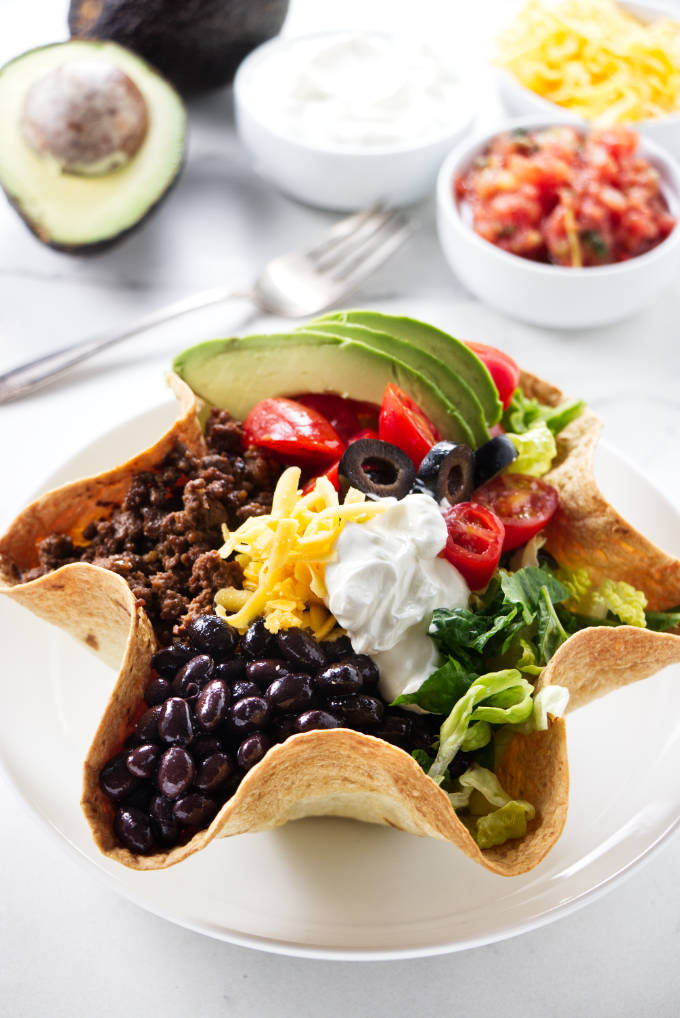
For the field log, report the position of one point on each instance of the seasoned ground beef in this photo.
(163, 537)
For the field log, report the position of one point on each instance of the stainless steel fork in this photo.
(293, 285)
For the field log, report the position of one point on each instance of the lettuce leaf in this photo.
(498, 816)
(523, 413)
(536, 450)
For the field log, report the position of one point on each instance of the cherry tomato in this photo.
(502, 368)
(405, 425)
(296, 433)
(474, 542)
(332, 472)
(523, 503)
(347, 416)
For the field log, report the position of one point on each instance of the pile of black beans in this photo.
(217, 702)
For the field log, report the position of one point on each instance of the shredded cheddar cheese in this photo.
(283, 556)
(596, 59)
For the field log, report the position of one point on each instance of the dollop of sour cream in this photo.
(356, 91)
(384, 585)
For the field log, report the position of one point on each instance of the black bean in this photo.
(300, 649)
(367, 666)
(282, 727)
(116, 780)
(133, 829)
(142, 760)
(175, 772)
(132, 740)
(343, 677)
(335, 650)
(213, 772)
(174, 722)
(169, 660)
(163, 823)
(157, 690)
(265, 670)
(204, 746)
(357, 709)
(211, 705)
(243, 688)
(396, 729)
(230, 671)
(194, 810)
(140, 797)
(313, 719)
(423, 732)
(258, 641)
(252, 749)
(248, 714)
(147, 726)
(196, 672)
(293, 692)
(212, 635)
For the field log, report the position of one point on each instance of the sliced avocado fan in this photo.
(454, 389)
(237, 373)
(458, 358)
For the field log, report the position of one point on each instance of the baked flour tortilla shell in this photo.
(337, 772)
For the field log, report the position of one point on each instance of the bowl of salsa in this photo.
(561, 225)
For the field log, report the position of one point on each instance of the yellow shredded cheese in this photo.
(283, 556)
(596, 59)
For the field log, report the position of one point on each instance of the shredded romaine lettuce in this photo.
(536, 449)
(498, 816)
(499, 698)
(615, 596)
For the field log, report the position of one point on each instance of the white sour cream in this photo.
(355, 91)
(385, 584)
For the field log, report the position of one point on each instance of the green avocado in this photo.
(452, 352)
(238, 373)
(92, 140)
(451, 385)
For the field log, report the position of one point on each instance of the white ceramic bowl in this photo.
(554, 295)
(519, 101)
(336, 177)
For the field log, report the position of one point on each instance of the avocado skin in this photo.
(197, 44)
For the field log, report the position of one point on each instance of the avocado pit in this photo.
(87, 115)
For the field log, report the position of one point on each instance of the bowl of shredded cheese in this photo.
(597, 61)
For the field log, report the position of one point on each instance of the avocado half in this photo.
(72, 210)
(197, 44)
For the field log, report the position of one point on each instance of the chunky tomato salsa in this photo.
(564, 197)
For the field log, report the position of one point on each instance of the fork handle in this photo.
(35, 374)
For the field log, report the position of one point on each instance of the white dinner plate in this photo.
(337, 888)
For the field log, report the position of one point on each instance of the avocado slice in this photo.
(78, 197)
(451, 351)
(197, 44)
(464, 402)
(237, 373)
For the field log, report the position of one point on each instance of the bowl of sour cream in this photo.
(342, 120)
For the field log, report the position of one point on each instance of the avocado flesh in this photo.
(237, 373)
(76, 212)
(451, 351)
(456, 392)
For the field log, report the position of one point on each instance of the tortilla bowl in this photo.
(341, 772)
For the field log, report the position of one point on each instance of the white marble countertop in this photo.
(69, 946)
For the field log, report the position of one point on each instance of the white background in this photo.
(68, 945)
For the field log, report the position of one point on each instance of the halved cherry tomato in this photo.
(523, 503)
(502, 368)
(296, 433)
(347, 416)
(332, 472)
(405, 425)
(474, 542)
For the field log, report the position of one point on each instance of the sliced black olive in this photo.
(447, 472)
(492, 457)
(376, 468)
